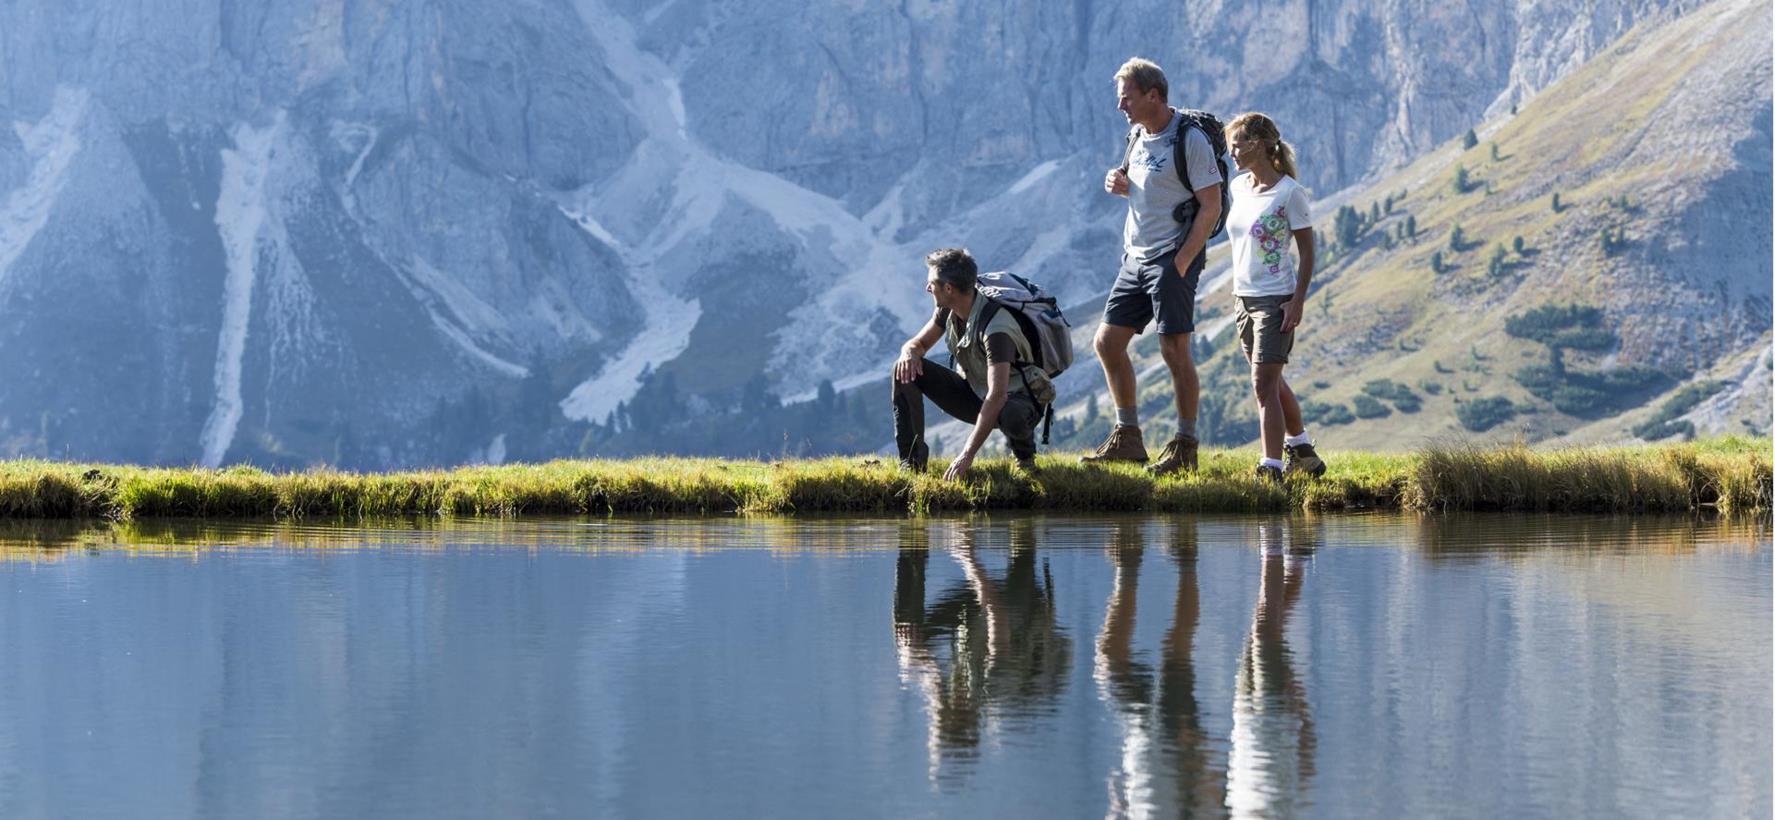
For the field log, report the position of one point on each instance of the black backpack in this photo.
(1212, 128)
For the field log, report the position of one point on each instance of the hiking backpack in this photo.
(1038, 314)
(1212, 128)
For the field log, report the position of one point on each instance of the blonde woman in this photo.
(1270, 217)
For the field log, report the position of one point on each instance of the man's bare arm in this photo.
(998, 388)
(910, 365)
(1207, 214)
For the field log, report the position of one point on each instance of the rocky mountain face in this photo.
(397, 232)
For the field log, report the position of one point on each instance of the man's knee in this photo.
(1020, 438)
(910, 391)
(1018, 417)
(1175, 348)
(1111, 340)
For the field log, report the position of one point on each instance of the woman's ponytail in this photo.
(1283, 157)
(1263, 129)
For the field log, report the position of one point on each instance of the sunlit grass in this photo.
(1731, 475)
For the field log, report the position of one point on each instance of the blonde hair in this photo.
(1145, 75)
(1263, 129)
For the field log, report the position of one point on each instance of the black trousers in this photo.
(950, 392)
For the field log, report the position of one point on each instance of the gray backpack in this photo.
(1038, 314)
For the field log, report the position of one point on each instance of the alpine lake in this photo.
(1396, 665)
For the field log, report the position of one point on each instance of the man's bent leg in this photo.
(947, 389)
(1018, 421)
(950, 392)
(909, 426)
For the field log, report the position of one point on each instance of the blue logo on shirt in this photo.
(1150, 161)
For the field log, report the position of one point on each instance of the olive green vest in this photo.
(969, 349)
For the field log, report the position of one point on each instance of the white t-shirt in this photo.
(1260, 228)
(1155, 189)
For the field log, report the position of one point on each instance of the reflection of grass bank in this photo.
(1729, 474)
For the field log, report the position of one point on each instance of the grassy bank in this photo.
(1732, 475)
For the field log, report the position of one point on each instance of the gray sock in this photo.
(1186, 428)
(1128, 416)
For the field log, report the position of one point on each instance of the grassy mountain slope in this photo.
(1660, 144)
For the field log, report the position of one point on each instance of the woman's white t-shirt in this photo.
(1261, 228)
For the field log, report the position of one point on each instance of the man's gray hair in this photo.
(1145, 75)
(954, 266)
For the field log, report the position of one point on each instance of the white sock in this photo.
(1271, 462)
(1296, 441)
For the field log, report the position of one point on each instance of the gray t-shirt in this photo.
(1155, 189)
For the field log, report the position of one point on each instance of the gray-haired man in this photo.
(992, 390)
(1161, 262)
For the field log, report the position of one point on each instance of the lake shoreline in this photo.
(1731, 475)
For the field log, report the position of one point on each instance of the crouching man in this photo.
(995, 389)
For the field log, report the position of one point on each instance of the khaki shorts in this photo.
(1260, 329)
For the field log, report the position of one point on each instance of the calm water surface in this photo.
(1005, 666)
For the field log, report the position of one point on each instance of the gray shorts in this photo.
(1147, 290)
(1260, 329)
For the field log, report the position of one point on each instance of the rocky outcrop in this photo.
(289, 232)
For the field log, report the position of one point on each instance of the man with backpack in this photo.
(1006, 347)
(1173, 174)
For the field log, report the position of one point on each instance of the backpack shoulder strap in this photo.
(990, 312)
(1178, 157)
(1128, 147)
(978, 330)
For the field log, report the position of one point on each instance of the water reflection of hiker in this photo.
(984, 647)
(989, 391)
(1271, 757)
(1167, 764)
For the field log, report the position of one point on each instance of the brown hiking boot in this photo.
(1179, 454)
(1300, 458)
(1124, 444)
(1026, 464)
(1267, 473)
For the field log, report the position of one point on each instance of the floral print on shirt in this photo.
(1271, 233)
